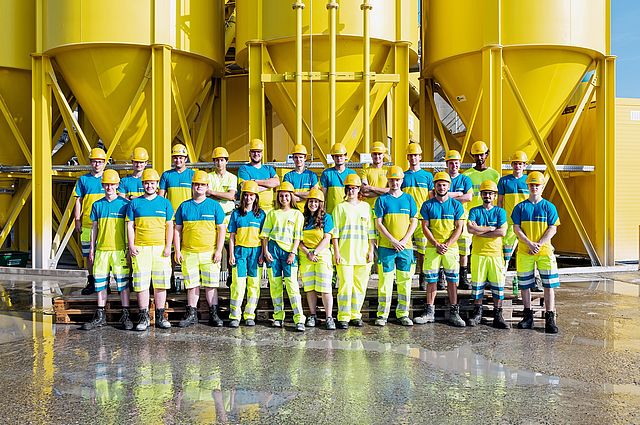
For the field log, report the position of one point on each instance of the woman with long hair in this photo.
(245, 254)
(315, 257)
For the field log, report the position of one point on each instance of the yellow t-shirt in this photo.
(199, 223)
(495, 217)
(223, 183)
(376, 177)
(150, 217)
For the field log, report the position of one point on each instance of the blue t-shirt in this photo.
(396, 215)
(302, 182)
(89, 188)
(495, 217)
(249, 172)
(199, 223)
(534, 220)
(177, 186)
(131, 186)
(442, 217)
(461, 183)
(110, 217)
(247, 228)
(333, 182)
(150, 217)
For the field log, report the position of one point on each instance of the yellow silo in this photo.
(266, 46)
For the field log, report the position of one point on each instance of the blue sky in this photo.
(625, 44)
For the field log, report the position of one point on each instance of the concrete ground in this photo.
(589, 373)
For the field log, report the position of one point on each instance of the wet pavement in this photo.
(590, 372)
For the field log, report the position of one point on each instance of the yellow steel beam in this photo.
(401, 97)
(492, 104)
(427, 121)
(126, 120)
(17, 203)
(332, 7)
(324, 77)
(55, 258)
(161, 107)
(62, 226)
(436, 117)
(257, 128)
(472, 122)
(15, 130)
(63, 219)
(298, 6)
(182, 117)
(366, 71)
(551, 168)
(204, 124)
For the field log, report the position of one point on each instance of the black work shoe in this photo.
(498, 320)
(476, 316)
(125, 320)
(454, 316)
(143, 320)
(214, 319)
(161, 321)
(442, 280)
(550, 322)
(90, 288)
(190, 317)
(311, 321)
(98, 321)
(358, 323)
(422, 282)
(330, 325)
(343, 325)
(527, 321)
(463, 283)
(538, 285)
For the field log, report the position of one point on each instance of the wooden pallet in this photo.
(74, 308)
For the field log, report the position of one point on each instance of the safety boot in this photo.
(428, 316)
(380, 321)
(464, 282)
(214, 319)
(98, 321)
(277, 323)
(550, 322)
(498, 320)
(358, 323)
(90, 288)
(143, 320)
(234, 323)
(330, 324)
(300, 327)
(442, 280)
(454, 316)
(343, 324)
(311, 321)
(190, 317)
(161, 321)
(125, 320)
(422, 282)
(527, 321)
(476, 316)
(406, 321)
(250, 322)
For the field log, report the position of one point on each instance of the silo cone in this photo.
(104, 51)
(17, 22)
(272, 23)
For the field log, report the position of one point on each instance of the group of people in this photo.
(319, 231)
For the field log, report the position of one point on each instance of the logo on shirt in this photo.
(208, 216)
(404, 210)
(116, 214)
(160, 212)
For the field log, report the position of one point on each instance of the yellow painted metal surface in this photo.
(274, 23)
(104, 52)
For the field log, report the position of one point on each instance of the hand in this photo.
(268, 257)
(92, 255)
(232, 259)
(370, 256)
(312, 256)
(534, 248)
(217, 257)
(291, 258)
(167, 251)
(260, 259)
(491, 228)
(337, 258)
(442, 248)
(78, 225)
(397, 245)
(178, 257)
(133, 251)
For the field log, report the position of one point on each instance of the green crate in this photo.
(13, 258)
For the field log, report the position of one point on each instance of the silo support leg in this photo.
(427, 123)
(400, 95)
(161, 107)
(62, 229)
(182, 117)
(443, 136)
(206, 120)
(472, 123)
(492, 63)
(11, 122)
(17, 203)
(256, 92)
(553, 172)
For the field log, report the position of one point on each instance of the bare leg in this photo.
(124, 297)
(431, 293)
(549, 299)
(312, 300)
(212, 296)
(327, 301)
(452, 290)
(143, 299)
(102, 298)
(193, 294)
(160, 296)
(526, 298)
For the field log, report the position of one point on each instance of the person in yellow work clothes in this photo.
(488, 225)
(87, 191)
(374, 176)
(281, 236)
(198, 240)
(245, 254)
(396, 221)
(150, 236)
(223, 186)
(302, 179)
(332, 179)
(442, 225)
(131, 185)
(108, 250)
(264, 175)
(353, 245)
(315, 257)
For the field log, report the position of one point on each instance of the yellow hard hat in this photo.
(352, 180)
(140, 155)
(316, 193)
(220, 152)
(285, 187)
(339, 149)
(535, 177)
(250, 186)
(98, 153)
(110, 177)
(379, 147)
(519, 156)
(414, 149)
(442, 176)
(395, 172)
(479, 147)
(452, 155)
(200, 177)
(179, 150)
(150, 175)
(256, 145)
(488, 185)
(299, 150)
